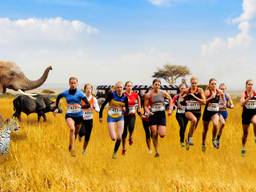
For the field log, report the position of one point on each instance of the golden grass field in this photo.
(39, 160)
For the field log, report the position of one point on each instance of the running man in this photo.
(211, 112)
(74, 114)
(179, 102)
(223, 113)
(155, 106)
(117, 102)
(194, 99)
(129, 119)
(248, 102)
(87, 124)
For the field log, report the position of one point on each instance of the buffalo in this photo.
(39, 104)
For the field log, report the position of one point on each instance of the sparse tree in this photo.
(171, 73)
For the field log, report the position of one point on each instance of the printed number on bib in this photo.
(132, 109)
(251, 104)
(181, 110)
(73, 108)
(193, 105)
(213, 107)
(88, 115)
(115, 112)
(157, 107)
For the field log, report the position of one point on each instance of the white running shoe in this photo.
(190, 141)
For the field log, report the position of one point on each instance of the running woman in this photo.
(117, 102)
(74, 114)
(248, 102)
(194, 99)
(179, 102)
(223, 113)
(145, 122)
(87, 124)
(211, 111)
(155, 106)
(134, 104)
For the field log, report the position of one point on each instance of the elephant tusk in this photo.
(28, 94)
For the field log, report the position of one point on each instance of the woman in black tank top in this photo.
(211, 112)
(194, 99)
(248, 102)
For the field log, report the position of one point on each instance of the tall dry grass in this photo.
(39, 160)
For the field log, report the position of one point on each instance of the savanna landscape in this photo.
(39, 160)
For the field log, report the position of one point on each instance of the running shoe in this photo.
(203, 148)
(123, 151)
(215, 143)
(190, 141)
(157, 154)
(243, 152)
(130, 141)
(182, 144)
(83, 152)
(218, 143)
(114, 156)
(150, 151)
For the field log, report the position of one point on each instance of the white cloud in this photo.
(40, 31)
(242, 39)
(161, 2)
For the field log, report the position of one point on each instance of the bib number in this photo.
(115, 112)
(251, 104)
(132, 109)
(157, 107)
(73, 108)
(213, 107)
(181, 110)
(88, 115)
(193, 105)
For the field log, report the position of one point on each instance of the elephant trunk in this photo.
(28, 85)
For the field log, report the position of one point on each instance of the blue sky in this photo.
(105, 41)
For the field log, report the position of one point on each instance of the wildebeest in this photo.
(39, 104)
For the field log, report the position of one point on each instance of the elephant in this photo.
(41, 104)
(12, 77)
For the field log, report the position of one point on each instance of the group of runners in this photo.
(124, 103)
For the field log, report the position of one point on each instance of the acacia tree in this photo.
(171, 73)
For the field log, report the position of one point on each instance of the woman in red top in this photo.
(129, 119)
(248, 102)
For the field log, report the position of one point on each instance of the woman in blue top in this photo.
(74, 114)
(117, 103)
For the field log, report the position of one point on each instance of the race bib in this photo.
(213, 107)
(76, 108)
(157, 107)
(251, 104)
(193, 105)
(222, 105)
(115, 112)
(132, 109)
(181, 110)
(88, 115)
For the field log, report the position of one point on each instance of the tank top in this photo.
(132, 102)
(157, 102)
(180, 103)
(213, 104)
(251, 104)
(192, 104)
